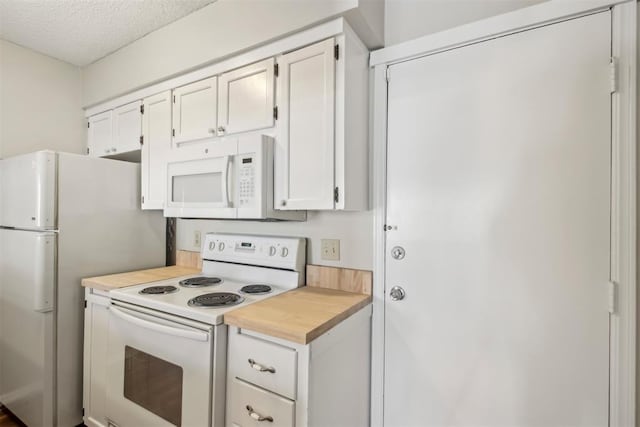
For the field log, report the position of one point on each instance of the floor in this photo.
(7, 420)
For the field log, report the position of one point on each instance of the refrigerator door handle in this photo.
(44, 274)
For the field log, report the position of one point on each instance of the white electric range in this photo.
(167, 339)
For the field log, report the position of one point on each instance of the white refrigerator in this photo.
(62, 217)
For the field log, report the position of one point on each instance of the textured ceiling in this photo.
(82, 31)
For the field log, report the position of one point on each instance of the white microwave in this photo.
(232, 180)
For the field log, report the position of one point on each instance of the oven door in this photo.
(159, 369)
(200, 188)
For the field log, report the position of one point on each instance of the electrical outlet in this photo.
(196, 239)
(330, 249)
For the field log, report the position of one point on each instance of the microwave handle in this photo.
(225, 181)
(169, 330)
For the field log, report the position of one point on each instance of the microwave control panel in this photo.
(246, 180)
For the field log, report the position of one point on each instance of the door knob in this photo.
(397, 252)
(397, 293)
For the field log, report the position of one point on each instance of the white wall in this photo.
(214, 32)
(354, 229)
(408, 19)
(40, 103)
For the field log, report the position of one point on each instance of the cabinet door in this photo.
(195, 111)
(99, 134)
(246, 98)
(127, 128)
(156, 145)
(304, 172)
(96, 325)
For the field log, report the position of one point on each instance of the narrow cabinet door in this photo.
(195, 111)
(156, 145)
(100, 134)
(246, 98)
(304, 172)
(127, 128)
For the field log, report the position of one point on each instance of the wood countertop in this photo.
(114, 281)
(300, 315)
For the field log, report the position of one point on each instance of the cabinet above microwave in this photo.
(232, 180)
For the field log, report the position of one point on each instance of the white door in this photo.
(27, 289)
(195, 109)
(499, 186)
(247, 98)
(99, 134)
(156, 122)
(304, 154)
(127, 128)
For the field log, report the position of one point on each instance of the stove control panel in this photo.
(269, 251)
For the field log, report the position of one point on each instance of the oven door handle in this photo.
(169, 330)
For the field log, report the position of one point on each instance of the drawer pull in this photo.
(256, 416)
(259, 367)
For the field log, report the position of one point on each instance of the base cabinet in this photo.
(271, 381)
(96, 324)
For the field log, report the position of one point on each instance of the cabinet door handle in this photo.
(261, 368)
(256, 416)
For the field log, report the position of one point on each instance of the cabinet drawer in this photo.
(265, 364)
(249, 405)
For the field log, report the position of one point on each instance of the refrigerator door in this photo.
(28, 191)
(27, 324)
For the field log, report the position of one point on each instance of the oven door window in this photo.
(154, 384)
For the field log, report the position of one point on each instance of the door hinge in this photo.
(276, 70)
(142, 109)
(173, 132)
(141, 140)
(336, 194)
(612, 289)
(613, 74)
(336, 51)
(275, 112)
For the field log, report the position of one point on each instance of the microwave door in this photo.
(200, 189)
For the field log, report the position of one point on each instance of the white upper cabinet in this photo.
(100, 128)
(246, 98)
(321, 151)
(195, 111)
(156, 121)
(127, 128)
(116, 133)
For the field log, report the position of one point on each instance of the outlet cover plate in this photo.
(330, 249)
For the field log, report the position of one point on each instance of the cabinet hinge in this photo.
(275, 112)
(613, 74)
(173, 132)
(174, 99)
(276, 70)
(387, 74)
(336, 195)
(143, 200)
(83, 408)
(336, 51)
(87, 150)
(85, 306)
(142, 109)
(141, 140)
(88, 125)
(612, 296)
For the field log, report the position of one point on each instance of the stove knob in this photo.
(284, 252)
(221, 246)
(272, 250)
(212, 245)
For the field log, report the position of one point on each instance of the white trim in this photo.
(624, 179)
(379, 203)
(301, 39)
(533, 16)
(623, 234)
